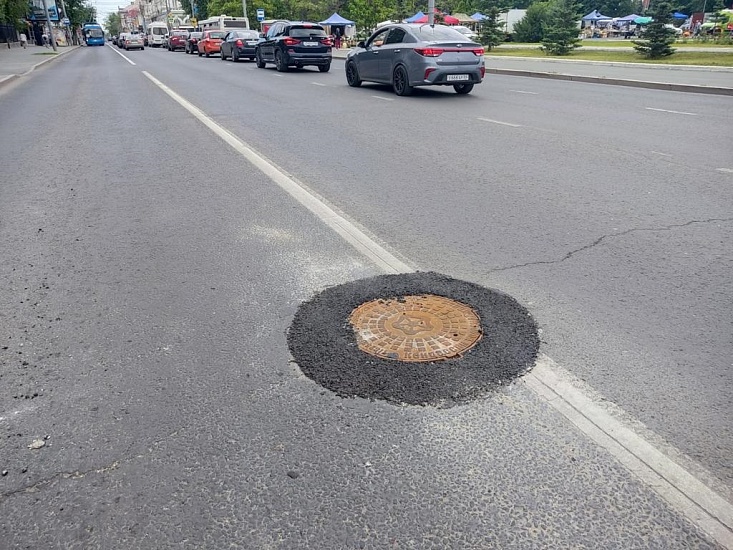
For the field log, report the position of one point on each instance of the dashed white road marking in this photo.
(498, 122)
(383, 98)
(725, 170)
(662, 154)
(123, 55)
(277, 75)
(569, 396)
(317, 83)
(668, 111)
(524, 92)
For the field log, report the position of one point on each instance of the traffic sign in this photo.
(260, 14)
(66, 22)
(194, 22)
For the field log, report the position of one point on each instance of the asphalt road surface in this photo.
(149, 274)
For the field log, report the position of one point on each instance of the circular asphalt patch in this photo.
(325, 345)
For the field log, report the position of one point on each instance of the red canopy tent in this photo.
(447, 19)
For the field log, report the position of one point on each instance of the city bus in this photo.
(223, 23)
(93, 34)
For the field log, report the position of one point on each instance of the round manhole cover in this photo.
(415, 338)
(415, 328)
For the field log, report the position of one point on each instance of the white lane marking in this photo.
(573, 399)
(384, 259)
(383, 98)
(725, 170)
(668, 111)
(317, 83)
(499, 122)
(662, 154)
(523, 92)
(123, 55)
(562, 391)
(277, 75)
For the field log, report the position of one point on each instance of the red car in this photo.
(177, 40)
(210, 42)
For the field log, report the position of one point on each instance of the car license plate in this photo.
(310, 43)
(251, 42)
(457, 77)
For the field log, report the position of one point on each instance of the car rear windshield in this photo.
(180, 33)
(216, 35)
(437, 34)
(159, 30)
(248, 34)
(195, 35)
(307, 32)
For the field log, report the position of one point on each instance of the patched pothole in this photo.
(415, 338)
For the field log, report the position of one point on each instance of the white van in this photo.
(157, 33)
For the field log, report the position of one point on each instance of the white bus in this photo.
(224, 22)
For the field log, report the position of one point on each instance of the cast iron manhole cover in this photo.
(415, 338)
(415, 328)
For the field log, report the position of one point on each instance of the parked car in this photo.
(295, 44)
(114, 39)
(192, 42)
(465, 31)
(238, 44)
(410, 55)
(177, 40)
(133, 41)
(121, 39)
(210, 42)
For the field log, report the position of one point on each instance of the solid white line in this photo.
(668, 111)
(726, 170)
(123, 55)
(568, 395)
(317, 83)
(572, 398)
(663, 154)
(299, 191)
(383, 98)
(499, 122)
(523, 92)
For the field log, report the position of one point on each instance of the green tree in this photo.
(492, 30)
(13, 12)
(560, 32)
(530, 28)
(657, 39)
(718, 17)
(367, 13)
(113, 23)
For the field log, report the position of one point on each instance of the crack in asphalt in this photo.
(65, 475)
(600, 239)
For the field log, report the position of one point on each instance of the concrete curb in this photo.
(617, 82)
(5, 80)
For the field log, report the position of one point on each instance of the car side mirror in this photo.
(360, 44)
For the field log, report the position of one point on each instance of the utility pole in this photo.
(244, 8)
(431, 12)
(51, 37)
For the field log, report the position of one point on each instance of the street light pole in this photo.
(431, 12)
(244, 9)
(50, 29)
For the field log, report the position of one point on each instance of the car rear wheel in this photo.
(200, 54)
(258, 60)
(235, 56)
(400, 82)
(463, 88)
(352, 75)
(280, 63)
(324, 68)
(221, 54)
(206, 53)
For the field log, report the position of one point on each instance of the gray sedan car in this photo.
(409, 55)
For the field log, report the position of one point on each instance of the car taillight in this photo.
(478, 51)
(291, 41)
(238, 43)
(428, 71)
(326, 41)
(429, 52)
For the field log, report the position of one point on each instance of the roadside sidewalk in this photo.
(680, 78)
(16, 61)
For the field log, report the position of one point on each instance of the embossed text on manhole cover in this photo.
(415, 328)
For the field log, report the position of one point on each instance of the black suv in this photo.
(295, 44)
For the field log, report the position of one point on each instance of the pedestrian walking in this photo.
(23, 40)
